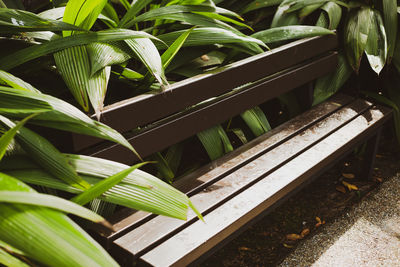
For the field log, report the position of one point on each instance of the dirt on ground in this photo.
(270, 240)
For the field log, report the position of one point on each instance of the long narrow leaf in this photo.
(82, 13)
(49, 201)
(54, 239)
(46, 155)
(391, 25)
(36, 51)
(376, 48)
(139, 190)
(356, 35)
(9, 260)
(64, 116)
(256, 120)
(8, 136)
(13, 21)
(104, 185)
(328, 85)
(290, 32)
(15, 82)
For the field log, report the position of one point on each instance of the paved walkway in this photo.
(367, 235)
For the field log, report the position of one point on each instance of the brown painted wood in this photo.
(149, 141)
(199, 179)
(198, 238)
(159, 228)
(135, 112)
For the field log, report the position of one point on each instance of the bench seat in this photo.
(235, 190)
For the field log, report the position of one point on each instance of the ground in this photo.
(269, 241)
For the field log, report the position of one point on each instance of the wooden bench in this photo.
(237, 189)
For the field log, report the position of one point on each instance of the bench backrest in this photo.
(168, 117)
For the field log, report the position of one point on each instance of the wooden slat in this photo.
(159, 228)
(135, 112)
(204, 176)
(149, 141)
(198, 238)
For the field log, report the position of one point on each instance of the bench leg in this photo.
(370, 155)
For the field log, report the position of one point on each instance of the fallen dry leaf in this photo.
(305, 232)
(287, 246)
(318, 225)
(244, 248)
(378, 156)
(348, 175)
(341, 189)
(205, 58)
(293, 237)
(349, 186)
(318, 219)
(378, 179)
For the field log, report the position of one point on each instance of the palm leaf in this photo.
(215, 142)
(58, 44)
(46, 155)
(9, 260)
(48, 201)
(15, 82)
(139, 190)
(334, 12)
(258, 4)
(8, 136)
(54, 239)
(290, 32)
(390, 18)
(82, 13)
(356, 35)
(328, 85)
(64, 116)
(13, 21)
(376, 48)
(104, 185)
(74, 66)
(256, 120)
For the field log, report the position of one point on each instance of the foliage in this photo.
(59, 58)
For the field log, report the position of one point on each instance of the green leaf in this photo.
(63, 117)
(48, 201)
(8, 136)
(328, 85)
(104, 185)
(14, 21)
(164, 170)
(256, 120)
(139, 190)
(334, 12)
(390, 17)
(15, 82)
(135, 8)
(307, 10)
(36, 51)
(396, 55)
(82, 13)
(9, 260)
(46, 155)
(356, 35)
(74, 66)
(290, 32)
(376, 48)
(258, 4)
(284, 18)
(173, 49)
(210, 36)
(102, 55)
(148, 54)
(215, 142)
(54, 239)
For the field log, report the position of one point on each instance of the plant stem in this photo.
(2, 5)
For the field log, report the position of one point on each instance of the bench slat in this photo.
(149, 141)
(198, 238)
(201, 178)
